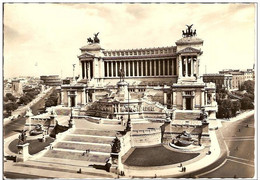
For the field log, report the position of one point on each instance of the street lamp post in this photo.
(128, 126)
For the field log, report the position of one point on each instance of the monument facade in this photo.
(167, 75)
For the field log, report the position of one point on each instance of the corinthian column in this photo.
(116, 68)
(142, 68)
(145, 67)
(89, 70)
(154, 66)
(192, 68)
(180, 67)
(186, 67)
(137, 66)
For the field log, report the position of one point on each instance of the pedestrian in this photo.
(79, 171)
(184, 169)
(181, 165)
(155, 176)
(238, 130)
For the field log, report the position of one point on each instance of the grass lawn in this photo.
(35, 145)
(157, 156)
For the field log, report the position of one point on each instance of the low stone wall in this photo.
(146, 137)
(125, 142)
(243, 115)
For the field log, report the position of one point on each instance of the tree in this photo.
(246, 103)
(24, 100)
(249, 86)
(10, 107)
(224, 108)
(236, 105)
(6, 99)
(10, 97)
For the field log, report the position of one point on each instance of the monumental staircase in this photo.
(68, 154)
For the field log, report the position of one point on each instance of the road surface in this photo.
(18, 124)
(238, 138)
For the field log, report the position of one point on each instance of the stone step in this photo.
(83, 147)
(88, 139)
(88, 171)
(76, 156)
(111, 121)
(82, 151)
(92, 136)
(94, 132)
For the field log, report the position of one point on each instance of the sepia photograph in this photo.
(129, 90)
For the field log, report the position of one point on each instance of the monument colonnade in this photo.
(136, 68)
(188, 66)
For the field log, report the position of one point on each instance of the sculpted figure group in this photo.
(189, 32)
(94, 40)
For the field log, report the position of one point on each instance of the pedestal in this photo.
(122, 90)
(23, 150)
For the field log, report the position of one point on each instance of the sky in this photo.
(44, 39)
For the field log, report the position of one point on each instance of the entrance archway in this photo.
(72, 100)
(188, 104)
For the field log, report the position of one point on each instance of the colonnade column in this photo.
(163, 67)
(112, 69)
(116, 68)
(133, 68)
(168, 67)
(151, 71)
(186, 67)
(206, 97)
(142, 68)
(159, 67)
(124, 67)
(192, 67)
(128, 68)
(180, 67)
(88, 70)
(146, 68)
(154, 64)
(107, 69)
(137, 66)
(83, 70)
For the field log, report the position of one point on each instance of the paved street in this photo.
(18, 124)
(238, 138)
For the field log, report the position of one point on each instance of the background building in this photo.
(52, 80)
(239, 76)
(221, 80)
